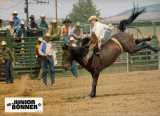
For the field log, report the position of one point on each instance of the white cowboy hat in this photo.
(3, 43)
(92, 18)
(40, 39)
(43, 16)
(78, 24)
(15, 12)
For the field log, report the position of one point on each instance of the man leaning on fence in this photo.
(40, 59)
(46, 50)
(7, 58)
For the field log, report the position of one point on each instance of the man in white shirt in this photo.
(101, 31)
(46, 50)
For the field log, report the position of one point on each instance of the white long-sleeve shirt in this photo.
(49, 49)
(46, 49)
(100, 30)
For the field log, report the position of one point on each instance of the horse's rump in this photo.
(126, 40)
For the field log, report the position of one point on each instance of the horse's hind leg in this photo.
(143, 45)
(94, 84)
(137, 41)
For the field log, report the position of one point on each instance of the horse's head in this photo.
(73, 53)
(67, 56)
(85, 41)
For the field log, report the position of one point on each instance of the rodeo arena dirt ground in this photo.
(122, 94)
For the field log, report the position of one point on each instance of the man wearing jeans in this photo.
(46, 49)
(7, 58)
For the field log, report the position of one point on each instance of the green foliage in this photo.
(82, 10)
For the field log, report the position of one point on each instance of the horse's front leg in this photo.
(94, 84)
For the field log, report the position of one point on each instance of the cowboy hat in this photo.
(92, 18)
(15, 13)
(67, 20)
(43, 16)
(3, 43)
(31, 17)
(40, 39)
(78, 24)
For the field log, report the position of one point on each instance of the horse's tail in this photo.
(126, 22)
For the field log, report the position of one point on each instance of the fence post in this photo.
(158, 60)
(127, 62)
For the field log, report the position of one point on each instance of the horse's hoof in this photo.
(92, 95)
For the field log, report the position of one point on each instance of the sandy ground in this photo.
(125, 94)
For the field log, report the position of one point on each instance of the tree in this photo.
(82, 10)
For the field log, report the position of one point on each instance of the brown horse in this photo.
(120, 42)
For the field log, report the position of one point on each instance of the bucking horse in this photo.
(111, 49)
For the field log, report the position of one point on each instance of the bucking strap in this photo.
(118, 43)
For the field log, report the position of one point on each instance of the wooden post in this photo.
(158, 38)
(56, 11)
(27, 12)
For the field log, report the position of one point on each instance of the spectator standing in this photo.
(66, 30)
(43, 24)
(10, 27)
(46, 50)
(77, 32)
(32, 23)
(16, 22)
(22, 30)
(7, 57)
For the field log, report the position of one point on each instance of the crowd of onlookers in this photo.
(18, 27)
(44, 48)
